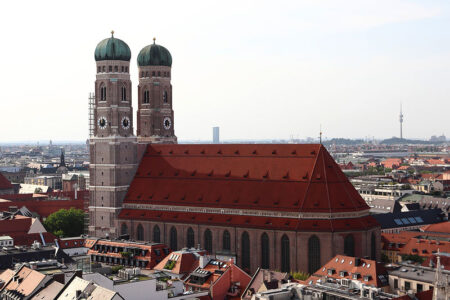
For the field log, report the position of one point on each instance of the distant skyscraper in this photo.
(401, 122)
(216, 139)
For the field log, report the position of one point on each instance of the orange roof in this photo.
(443, 227)
(432, 161)
(425, 247)
(30, 280)
(366, 270)
(185, 261)
(299, 178)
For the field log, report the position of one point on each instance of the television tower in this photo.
(401, 122)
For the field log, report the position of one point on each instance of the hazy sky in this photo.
(258, 69)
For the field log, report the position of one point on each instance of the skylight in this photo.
(418, 219)
(398, 222)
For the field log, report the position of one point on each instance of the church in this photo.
(285, 207)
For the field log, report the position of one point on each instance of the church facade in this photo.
(284, 207)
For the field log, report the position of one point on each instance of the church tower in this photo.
(113, 146)
(155, 121)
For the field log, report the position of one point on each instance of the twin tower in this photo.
(115, 150)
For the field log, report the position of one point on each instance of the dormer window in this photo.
(367, 277)
(342, 273)
(355, 276)
(146, 97)
(330, 271)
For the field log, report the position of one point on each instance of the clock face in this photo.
(125, 123)
(167, 123)
(102, 122)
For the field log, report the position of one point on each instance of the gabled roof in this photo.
(294, 178)
(4, 183)
(365, 270)
(184, 261)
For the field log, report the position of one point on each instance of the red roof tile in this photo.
(443, 227)
(299, 178)
(4, 183)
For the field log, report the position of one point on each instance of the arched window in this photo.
(165, 100)
(99, 69)
(245, 251)
(173, 239)
(156, 234)
(208, 241)
(190, 238)
(285, 254)
(124, 93)
(126, 69)
(349, 245)
(146, 97)
(313, 254)
(142, 74)
(110, 68)
(102, 92)
(104, 69)
(124, 229)
(123, 69)
(373, 247)
(140, 233)
(159, 73)
(153, 73)
(265, 259)
(116, 69)
(226, 241)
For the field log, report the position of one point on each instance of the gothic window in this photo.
(156, 234)
(265, 259)
(285, 254)
(146, 74)
(373, 247)
(208, 240)
(190, 238)
(124, 229)
(140, 233)
(165, 97)
(104, 69)
(123, 69)
(349, 245)
(153, 73)
(159, 74)
(313, 254)
(226, 241)
(173, 239)
(99, 69)
(146, 97)
(116, 69)
(110, 68)
(102, 93)
(126, 69)
(124, 93)
(245, 251)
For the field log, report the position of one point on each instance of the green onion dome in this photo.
(112, 49)
(154, 55)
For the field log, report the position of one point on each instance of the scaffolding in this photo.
(91, 114)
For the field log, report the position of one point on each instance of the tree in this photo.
(65, 222)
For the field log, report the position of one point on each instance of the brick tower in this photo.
(155, 122)
(113, 146)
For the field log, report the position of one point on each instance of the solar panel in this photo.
(398, 222)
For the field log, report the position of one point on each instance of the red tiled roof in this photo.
(425, 247)
(4, 183)
(251, 221)
(186, 262)
(299, 178)
(443, 227)
(18, 229)
(445, 261)
(426, 295)
(348, 264)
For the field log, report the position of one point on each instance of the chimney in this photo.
(203, 261)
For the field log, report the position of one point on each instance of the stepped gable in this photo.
(284, 177)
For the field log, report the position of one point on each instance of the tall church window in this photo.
(156, 234)
(124, 93)
(146, 97)
(373, 247)
(124, 229)
(285, 254)
(140, 232)
(102, 93)
(123, 69)
(190, 238)
(226, 241)
(313, 254)
(208, 241)
(165, 100)
(245, 251)
(349, 245)
(173, 239)
(265, 259)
